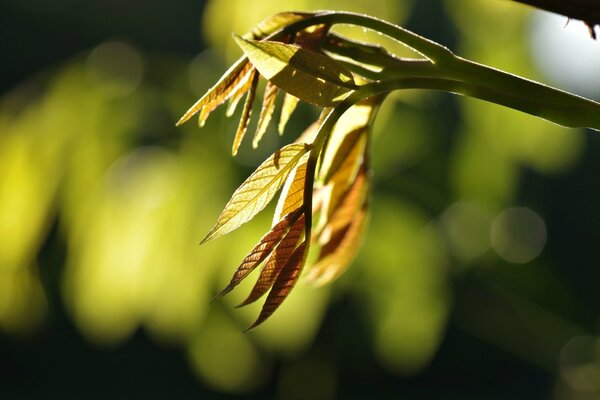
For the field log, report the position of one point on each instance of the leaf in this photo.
(285, 282)
(274, 23)
(246, 113)
(255, 193)
(266, 112)
(292, 193)
(347, 208)
(289, 105)
(334, 259)
(220, 92)
(348, 129)
(261, 250)
(239, 91)
(276, 261)
(310, 76)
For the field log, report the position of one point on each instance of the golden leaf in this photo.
(266, 112)
(220, 92)
(285, 282)
(256, 192)
(289, 105)
(292, 193)
(240, 90)
(246, 113)
(310, 76)
(276, 261)
(261, 250)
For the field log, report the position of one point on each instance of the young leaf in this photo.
(220, 91)
(312, 77)
(266, 112)
(276, 261)
(240, 90)
(261, 251)
(256, 191)
(293, 191)
(335, 257)
(274, 23)
(285, 282)
(246, 113)
(289, 105)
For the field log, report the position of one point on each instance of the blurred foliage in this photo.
(90, 161)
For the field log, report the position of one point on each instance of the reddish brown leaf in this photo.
(246, 113)
(276, 262)
(261, 251)
(285, 282)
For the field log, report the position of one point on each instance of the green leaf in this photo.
(310, 76)
(257, 191)
(274, 23)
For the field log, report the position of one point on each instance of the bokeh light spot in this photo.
(518, 235)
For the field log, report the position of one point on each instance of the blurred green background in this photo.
(478, 279)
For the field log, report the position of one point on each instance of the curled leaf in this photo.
(276, 261)
(220, 92)
(285, 282)
(257, 191)
(274, 23)
(266, 112)
(310, 76)
(246, 113)
(261, 251)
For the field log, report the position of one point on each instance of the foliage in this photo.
(325, 174)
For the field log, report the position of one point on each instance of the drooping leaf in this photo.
(285, 282)
(266, 112)
(246, 113)
(276, 261)
(293, 191)
(289, 105)
(220, 92)
(262, 250)
(310, 76)
(256, 192)
(335, 258)
(239, 91)
(348, 206)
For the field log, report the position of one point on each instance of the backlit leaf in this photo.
(274, 23)
(266, 112)
(285, 282)
(334, 259)
(276, 261)
(220, 92)
(293, 191)
(256, 192)
(310, 76)
(239, 91)
(289, 105)
(262, 250)
(246, 113)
